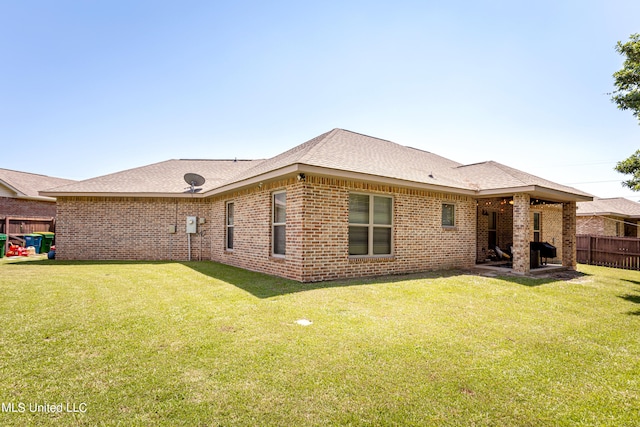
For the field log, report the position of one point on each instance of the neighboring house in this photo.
(21, 206)
(608, 217)
(340, 205)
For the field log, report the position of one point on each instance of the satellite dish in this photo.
(194, 180)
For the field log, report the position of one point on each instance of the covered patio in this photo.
(509, 221)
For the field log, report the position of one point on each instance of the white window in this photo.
(448, 215)
(279, 229)
(230, 220)
(370, 225)
(536, 226)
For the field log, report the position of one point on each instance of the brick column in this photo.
(521, 231)
(569, 235)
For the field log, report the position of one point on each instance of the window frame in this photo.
(537, 232)
(371, 226)
(492, 232)
(229, 227)
(442, 217)
(275, 224)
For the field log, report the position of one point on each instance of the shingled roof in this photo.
(159, 179)
(615, 206)
(495, 178)
(338, 153)
(28, 185)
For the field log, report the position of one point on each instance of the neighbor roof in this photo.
(615, 206)
(338, 153)
(27, 185)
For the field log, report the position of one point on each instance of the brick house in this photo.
(616, 217)
(22, 208)
(340, 205)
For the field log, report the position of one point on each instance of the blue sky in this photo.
(94, 87)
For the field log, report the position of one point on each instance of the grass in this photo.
(134, 343)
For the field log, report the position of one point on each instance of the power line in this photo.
(592, 182)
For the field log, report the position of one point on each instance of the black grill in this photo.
(547, 250)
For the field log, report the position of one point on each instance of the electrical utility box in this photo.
(192, 225)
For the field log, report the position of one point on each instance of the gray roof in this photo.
(335, 153)
(28, 185)
(492, 176)
(343, 150)
(161, 178)
(616, 206)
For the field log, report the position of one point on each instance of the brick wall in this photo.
(130, 228)
(569, 235)
(521, 233)
(318, 231)
(551, 227)
(252, 229)
(10, 206)
(605, 226)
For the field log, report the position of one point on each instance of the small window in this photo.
(448, 215)
(536, 226)
(230, 220)
(279, 223)
(370, 224)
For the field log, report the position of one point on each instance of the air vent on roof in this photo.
(194, 180)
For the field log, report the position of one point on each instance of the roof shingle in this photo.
(337, 150)
(27, 184)
(615, 206)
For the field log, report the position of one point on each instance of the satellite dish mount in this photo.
(194, 180)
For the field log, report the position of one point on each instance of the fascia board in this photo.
(128, 194)
(538, 192)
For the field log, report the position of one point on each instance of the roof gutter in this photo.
(37, 198)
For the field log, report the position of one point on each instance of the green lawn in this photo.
(200, 343)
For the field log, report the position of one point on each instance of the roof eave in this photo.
(536, 191)
(334, 173)
(606, 213)
(163, 195)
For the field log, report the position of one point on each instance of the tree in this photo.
(631, 166)
(627, 96)
(627, 80)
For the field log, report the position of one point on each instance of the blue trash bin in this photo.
(34, 240)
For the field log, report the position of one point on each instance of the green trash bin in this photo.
(47, 241)
(3, 244)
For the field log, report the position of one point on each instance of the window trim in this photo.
(448, 226)
(371, 225)
(229, 226)
(275, 224)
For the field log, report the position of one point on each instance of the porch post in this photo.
(569, 248)
(521, 231)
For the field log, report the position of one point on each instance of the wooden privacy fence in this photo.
(605, 251)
